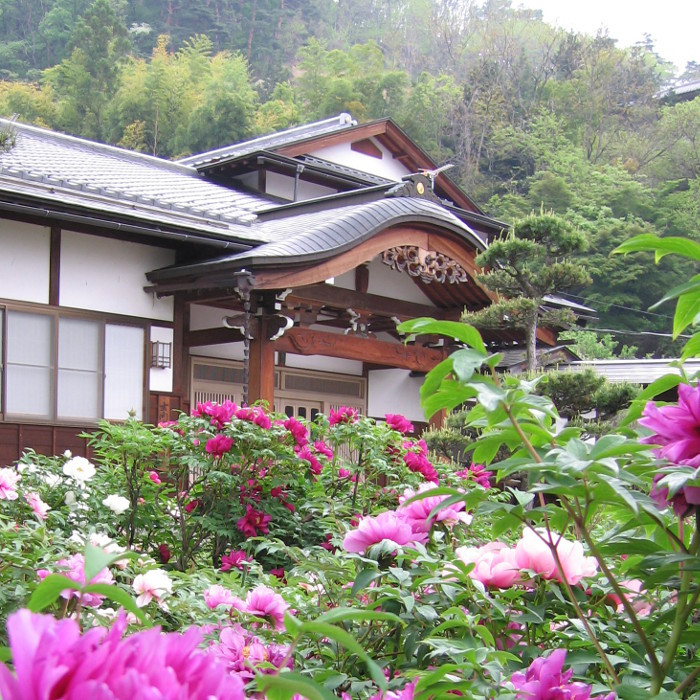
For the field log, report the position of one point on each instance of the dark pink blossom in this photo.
(298, 431)
(193, 505)
(306, 454)
(476, 473)
(416, 459)
(234, 559)
(254, 414)
(53, 660)
(220, 414)
(164, 553)
(153, 476)
(253, 521)
(344, 414)
(545, 679)
(219, 445)
(323, 449)
(399, 423)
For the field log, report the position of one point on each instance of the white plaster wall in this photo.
(160, 379)
(394, 391)
(342, 154)
(321, 363)
(225, 351)
(279, 185)
(394, 284)
(103, 274)
(25, 251)
(202, 317)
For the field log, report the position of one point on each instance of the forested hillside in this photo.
(531, 116)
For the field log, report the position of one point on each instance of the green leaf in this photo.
(460, 332)
(693, 285)
(117, 595)
(692, 347)
(48, 591)
(346, 640)
(363, 579)
(687, 312)
(434, 378)
(465, 362)
(341, 614)
(97, 559)
(661, 246)
(285, 685)
(5, 654)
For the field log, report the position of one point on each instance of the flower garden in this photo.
(238, 553)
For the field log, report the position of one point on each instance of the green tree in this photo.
(528, 263)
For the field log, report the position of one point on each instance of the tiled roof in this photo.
(272, 141)
(71, 171)
(318, 235)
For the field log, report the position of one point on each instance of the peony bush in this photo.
(239, 553)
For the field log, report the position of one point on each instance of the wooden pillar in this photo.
(437, 420)
(261, 377)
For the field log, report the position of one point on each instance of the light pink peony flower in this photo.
(9, 479)
(532, 553)
(494, 564)
(640, 604)
(544, 679)
(40, 508)
(385, 526)
(53, 660)
(153, 585)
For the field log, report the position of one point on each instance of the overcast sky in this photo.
(674, 25)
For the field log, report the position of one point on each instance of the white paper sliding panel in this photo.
(30, 352)
(79, 393)
(124, 357)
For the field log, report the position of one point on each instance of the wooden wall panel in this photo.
(15, 438)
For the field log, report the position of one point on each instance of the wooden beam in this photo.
(212, 336)
(303, 341)
(55, 266)
(338, 297)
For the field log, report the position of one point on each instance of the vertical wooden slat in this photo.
(55, 267)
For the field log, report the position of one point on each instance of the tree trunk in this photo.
(531, 344)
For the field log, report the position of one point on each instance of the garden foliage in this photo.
(334, 559)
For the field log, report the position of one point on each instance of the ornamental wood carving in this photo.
(426, 264)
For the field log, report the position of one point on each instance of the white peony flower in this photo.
(152, 585)
(51, 480)
(67, 454)
(117, 504)
(80, 469)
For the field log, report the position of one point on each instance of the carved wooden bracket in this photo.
(428, 265)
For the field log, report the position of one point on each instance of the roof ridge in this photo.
(344, 119)
(97, 146)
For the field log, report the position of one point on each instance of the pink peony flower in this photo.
(218, 595)
(9, 479)
(298, 431)
(254, 414)
(494, 564)
(40, 508)
(476, 473)
(153, 476)
(417, 513)
(344, 414)
(53, 660)
(385, 526)
(532, 553)
(219, 445)
(220, 413)
(406, 693)
(234, 559)
(306, 454)
(74, 569)
(640, 604)
(323, 449)
(264, 602)
(253, 521)
(544, 680)
(399, 423)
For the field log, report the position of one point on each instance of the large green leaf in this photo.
(693, 285)
(687, 312)
(288, 683)
(661, 246)
(692, 347)
(119, 596)
(460, 332)
(48, 591)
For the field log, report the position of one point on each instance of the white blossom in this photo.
(80, 469)
(117, 504)
(152, 585)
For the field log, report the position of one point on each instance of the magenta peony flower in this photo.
(544, 680)
(306, 454)
(234, 559)
(298, 431)
(53, 660)
(344, 414)
(153, 476)
(219, 445)
(476, 473)
(532, 553)
(385, 526)
(9, 479)
(676, 427)
(416, 459)
(323, 449)
(264, 602)
(252, 521)
(399, 423)
(254, 414)
(494, 564)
